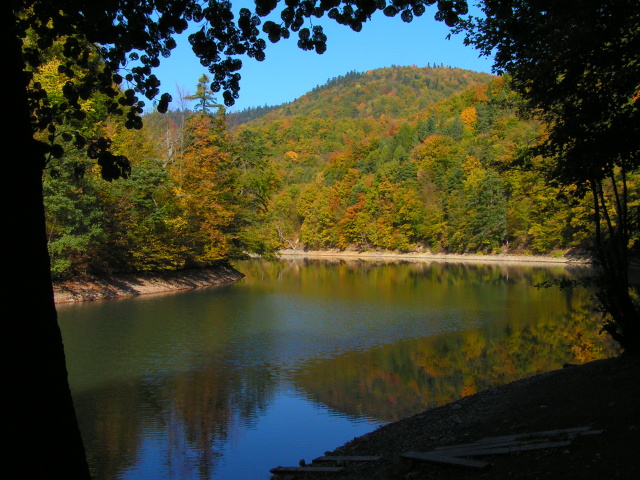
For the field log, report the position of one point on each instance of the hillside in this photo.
(400, 159)
(395, 92)
(355, 107)
(406, 159)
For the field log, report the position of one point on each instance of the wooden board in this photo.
(347, 458)
(306, 470)
(570, 432)
(441, 459)
(474, 450)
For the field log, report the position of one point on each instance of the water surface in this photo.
(301, 356)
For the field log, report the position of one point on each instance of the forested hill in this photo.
(357, 107)
(407, 158)
(401, 158)
(394, 92)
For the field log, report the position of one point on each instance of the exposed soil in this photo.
(603, 395)
(126, 285)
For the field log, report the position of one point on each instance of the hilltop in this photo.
(395, 92)
(405, 159)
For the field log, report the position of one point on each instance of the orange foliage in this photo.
(469, 388)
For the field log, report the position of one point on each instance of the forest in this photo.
(461, 171)
(400, 159)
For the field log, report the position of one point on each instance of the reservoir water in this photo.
(301, 356)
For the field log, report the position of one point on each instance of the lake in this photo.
(301, 356)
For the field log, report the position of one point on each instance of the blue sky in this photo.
(288, 72)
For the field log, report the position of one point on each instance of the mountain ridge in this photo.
(396, 91)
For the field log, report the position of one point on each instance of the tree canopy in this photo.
(575, 63)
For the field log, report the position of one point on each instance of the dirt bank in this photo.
(127, 285)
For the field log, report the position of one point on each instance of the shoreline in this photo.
(601, 395)
(436, 257)
(92, 288)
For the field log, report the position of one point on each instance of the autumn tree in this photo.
(575, 64)
(208, 193)
(130, 39)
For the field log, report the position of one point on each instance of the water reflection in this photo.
(394, 381)
(229, 382)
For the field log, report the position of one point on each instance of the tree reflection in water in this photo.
(164, 386)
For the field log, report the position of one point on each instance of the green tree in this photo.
(204, 97)
(74, 218)
(575, 64)
(488, 226)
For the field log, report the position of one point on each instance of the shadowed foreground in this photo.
(601, 395)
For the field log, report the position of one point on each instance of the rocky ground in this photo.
(602, 395)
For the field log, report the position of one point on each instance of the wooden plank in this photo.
(348, 458)
(539, 446)
(520, 437)
(306, 470)
(471, 451)
(453, 449)
(475, 446)
(440, 459)
(592, 432)
(546, 433)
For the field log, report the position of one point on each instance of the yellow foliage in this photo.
(473, 170)
(291, 156)
(469, 388)
(469, 117)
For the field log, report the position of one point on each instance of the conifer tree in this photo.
(205, 98)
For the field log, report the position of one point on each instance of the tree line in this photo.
(440, 178)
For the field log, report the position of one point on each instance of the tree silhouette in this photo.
(575, 64)
(128, 39)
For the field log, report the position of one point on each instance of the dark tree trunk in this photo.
(42, 438)
(613, 258)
